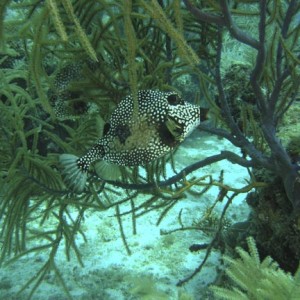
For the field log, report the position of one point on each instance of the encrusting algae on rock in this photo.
(163, 121)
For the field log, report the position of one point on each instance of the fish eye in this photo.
(174, 99)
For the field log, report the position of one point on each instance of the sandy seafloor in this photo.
(157, 261)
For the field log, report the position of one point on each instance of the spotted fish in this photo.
(163, 120)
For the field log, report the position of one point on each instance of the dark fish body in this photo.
(133, 138)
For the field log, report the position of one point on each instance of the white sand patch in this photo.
(157, 261)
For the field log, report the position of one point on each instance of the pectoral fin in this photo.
(175, 129)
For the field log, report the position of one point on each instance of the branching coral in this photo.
(254, 278)
(271, 100)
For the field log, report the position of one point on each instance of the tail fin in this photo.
(74, 177)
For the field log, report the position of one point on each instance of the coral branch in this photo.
(268, 96)
(234, 158)
(233, 28)
(260, 61)
(204, 17)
